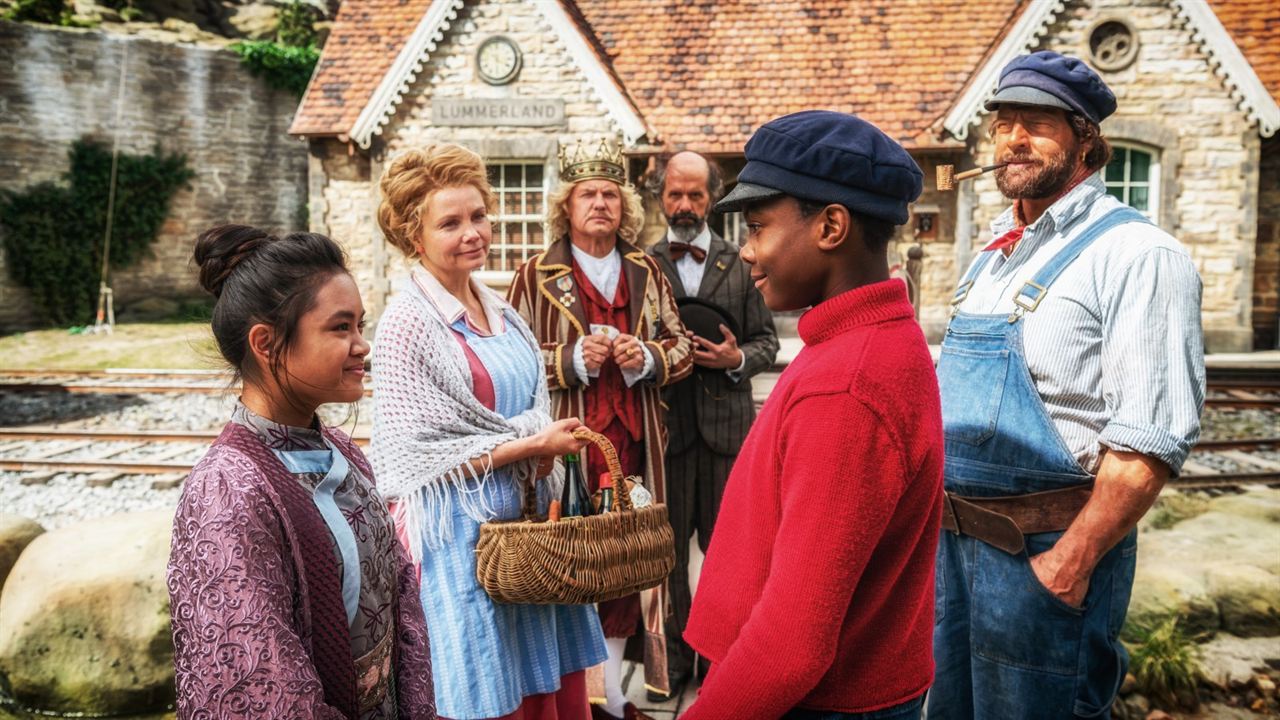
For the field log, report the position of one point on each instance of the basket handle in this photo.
(621, 498)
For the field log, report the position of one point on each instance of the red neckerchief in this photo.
(1011, 238)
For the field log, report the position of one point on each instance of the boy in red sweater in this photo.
(816, 598)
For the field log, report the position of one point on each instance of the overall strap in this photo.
(1035, 289)
(962, 291)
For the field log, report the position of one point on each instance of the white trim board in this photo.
(395, 83)
(1229, 63)
(429, 34)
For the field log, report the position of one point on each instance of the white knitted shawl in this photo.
(427, 422)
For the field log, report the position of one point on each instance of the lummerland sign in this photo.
(488, 112)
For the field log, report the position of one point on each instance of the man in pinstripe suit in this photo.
(710, 412)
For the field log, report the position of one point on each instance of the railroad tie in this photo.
(168, 482)
(101, 479)
(36, 478)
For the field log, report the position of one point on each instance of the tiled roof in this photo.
(366, 37)
(1255, 27)
(706, 73)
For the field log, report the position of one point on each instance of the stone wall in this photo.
(1266, 264)
(193, 100)
(344, 200)
(1173, 104)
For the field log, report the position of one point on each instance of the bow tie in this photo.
(679, 249)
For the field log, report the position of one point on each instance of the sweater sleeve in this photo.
(835, 499)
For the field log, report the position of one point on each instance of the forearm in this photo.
(1126, 486)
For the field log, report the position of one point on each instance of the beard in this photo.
(685, 226)
(1045, 179)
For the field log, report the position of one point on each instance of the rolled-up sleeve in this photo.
(1153, 357)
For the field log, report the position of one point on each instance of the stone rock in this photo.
(1163, 589)
(16, 533)
(84, 618)
(1248, 599)
(152, 308)
(1259, 503)
(256, 22)
(1229, 661)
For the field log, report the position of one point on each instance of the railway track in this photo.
(40, 453)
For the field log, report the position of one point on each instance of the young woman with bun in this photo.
(461, 425)
(290, 596)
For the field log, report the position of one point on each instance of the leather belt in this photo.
(1003, 521)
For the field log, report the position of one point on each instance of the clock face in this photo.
(498, 60)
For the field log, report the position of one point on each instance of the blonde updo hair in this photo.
(558, 211)
(411, 179)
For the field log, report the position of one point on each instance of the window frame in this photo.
(1153, 182)
(498, 220)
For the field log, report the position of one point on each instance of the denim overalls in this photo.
(1005, 646)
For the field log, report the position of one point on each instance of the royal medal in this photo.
(565, 284)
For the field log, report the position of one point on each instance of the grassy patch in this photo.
(1164, 661)
(139, 345)
(1174, 506)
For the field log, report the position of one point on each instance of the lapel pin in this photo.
(720, 265)
(565, 283)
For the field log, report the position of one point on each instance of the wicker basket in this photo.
(577, 560)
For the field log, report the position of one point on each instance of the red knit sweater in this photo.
(817, 590)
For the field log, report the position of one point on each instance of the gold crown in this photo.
(604, 162)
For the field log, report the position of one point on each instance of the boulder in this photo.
(256, 22)
(1160, 590)
(84, 618)
(16, 532)
(1229, 661)
(1258, 503)
(1248, 599)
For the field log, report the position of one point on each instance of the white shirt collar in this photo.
(702, 241)
(449, 306)
(603, 272)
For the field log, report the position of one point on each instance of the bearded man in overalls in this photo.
(1072, 379)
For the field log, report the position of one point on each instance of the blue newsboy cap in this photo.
(827, 157)
(1052, 80)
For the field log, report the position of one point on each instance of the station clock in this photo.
(498, 60)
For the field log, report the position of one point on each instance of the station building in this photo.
(1198, 83)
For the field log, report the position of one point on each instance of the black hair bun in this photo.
(220, 249)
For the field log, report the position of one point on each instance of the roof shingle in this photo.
(1255, 27)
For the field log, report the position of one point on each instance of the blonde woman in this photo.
(461, 423)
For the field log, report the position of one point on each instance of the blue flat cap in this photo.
(1052, 80)
(827, 157)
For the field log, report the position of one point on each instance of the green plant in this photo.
(296, 27)
(53, 234)
(1172, 507)
(285, 67)
(42, 11)
(1164, 661)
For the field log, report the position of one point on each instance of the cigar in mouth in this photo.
(947, 176)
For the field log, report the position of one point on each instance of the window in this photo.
(1133, 176)
(517, 222)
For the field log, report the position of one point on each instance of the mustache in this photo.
(1020, 159)
(685, 216)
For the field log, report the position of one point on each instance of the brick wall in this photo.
(194, 100)
(1266, 265)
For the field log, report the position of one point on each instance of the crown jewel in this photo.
(585, 163)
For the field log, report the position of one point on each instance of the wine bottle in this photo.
(606, 492)
(574, 500)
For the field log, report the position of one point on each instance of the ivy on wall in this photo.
(53, 233)
(286, 63)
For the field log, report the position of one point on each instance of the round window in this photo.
(1113, 44)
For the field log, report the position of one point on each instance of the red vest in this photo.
(612, 408)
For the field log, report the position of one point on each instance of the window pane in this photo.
(1138, 198)
(1115, 168)
(1116, 191)
(1139, 166)
(495, 175)
(533, 176)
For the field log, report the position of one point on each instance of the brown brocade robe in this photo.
(558, 318)
(259, 625)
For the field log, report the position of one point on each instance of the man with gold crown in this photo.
(611, 336)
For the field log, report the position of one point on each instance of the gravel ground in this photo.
(67, 499)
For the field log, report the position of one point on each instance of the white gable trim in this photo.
(408, 64)
(1024, 35)
(1238, 75)
(620, 109)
